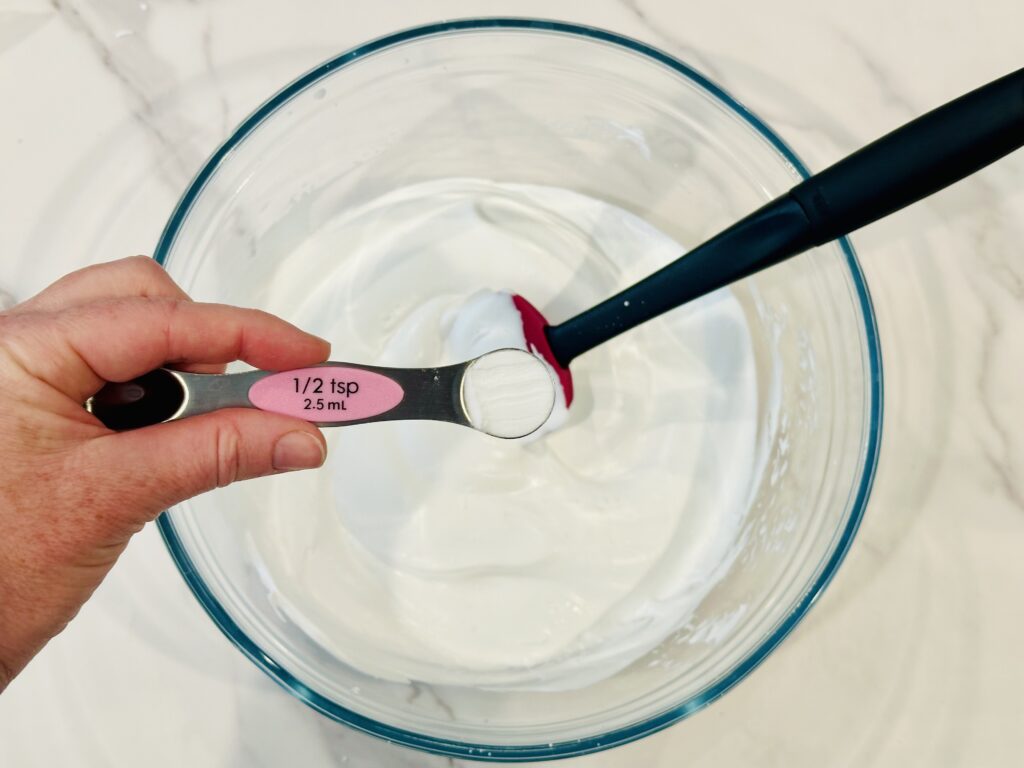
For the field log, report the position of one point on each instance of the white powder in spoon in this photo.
(508, 393)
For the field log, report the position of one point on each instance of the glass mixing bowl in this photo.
(553, 104)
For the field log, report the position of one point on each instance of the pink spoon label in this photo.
(328, 393)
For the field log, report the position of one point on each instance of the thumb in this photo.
(156, 467)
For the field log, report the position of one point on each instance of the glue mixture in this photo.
(433, 553)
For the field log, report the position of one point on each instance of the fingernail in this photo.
(298, 450)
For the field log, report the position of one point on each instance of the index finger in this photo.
(138, 276)
(121, 339)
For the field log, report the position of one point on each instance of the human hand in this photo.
(72, 493)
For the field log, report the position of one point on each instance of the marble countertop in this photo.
(912, 657)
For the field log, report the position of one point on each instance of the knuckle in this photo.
(147, 269)
(141, 263)
(149, 276)
(260, 316)
(22, 340)
(228, 454)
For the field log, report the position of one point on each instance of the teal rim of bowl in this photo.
(619, 736)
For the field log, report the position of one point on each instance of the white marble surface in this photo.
(912, 657)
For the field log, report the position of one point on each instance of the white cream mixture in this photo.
(430, 552)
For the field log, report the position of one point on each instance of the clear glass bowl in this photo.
(553, 104)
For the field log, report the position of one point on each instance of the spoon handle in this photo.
(914, 161)
(330, 394)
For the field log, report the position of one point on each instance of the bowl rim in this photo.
(625, 734)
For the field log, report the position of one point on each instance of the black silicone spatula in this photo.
(910, 163)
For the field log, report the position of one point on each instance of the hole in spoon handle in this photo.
(142, 402)
(327, 394)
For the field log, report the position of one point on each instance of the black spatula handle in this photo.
(910, 163)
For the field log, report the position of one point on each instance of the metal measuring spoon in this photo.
(506, 393)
